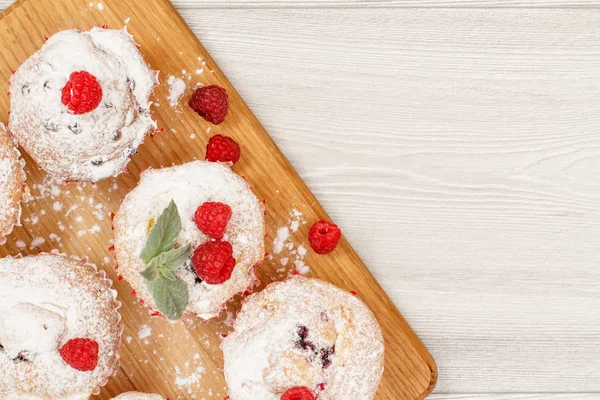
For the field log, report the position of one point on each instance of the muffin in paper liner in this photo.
(13, 189)
(189, 186)
(303, 332)
(88, 145)
(48, 299)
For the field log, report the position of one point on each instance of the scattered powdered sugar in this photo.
(20, 244)
(127, 20)
(284, 245)
(57, 206)
(100, 6)
(283, 234)
(186, 381)
(144, 332)
(37, 242)
(176, 89)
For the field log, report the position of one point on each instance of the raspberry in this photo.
(298, 393)
(80, 354)
(222, 149)
(324, 236)
(211, 103)
(82, 93)
(213, 262)
(211, 219)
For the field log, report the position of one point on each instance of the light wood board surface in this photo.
(183, 360)
(487, 228)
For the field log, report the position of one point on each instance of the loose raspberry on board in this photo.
(222, 149)
(211, 103)
(324, 236)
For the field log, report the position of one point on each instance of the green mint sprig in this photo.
(162, 259)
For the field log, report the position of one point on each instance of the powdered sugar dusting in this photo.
(284, 244)
(190, 185)
(189, 380)
(176, 89)
(75, 147)
(303, 332)
(144, 332)
(47, 300)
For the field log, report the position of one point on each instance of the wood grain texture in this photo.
(459, 151)
(321, 4)
(154, 363)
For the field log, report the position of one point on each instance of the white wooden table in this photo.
(457, 145)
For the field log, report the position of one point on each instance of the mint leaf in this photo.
(173, 259)
(163, 233)
(151, 271)
(171, 297)
(165, 273)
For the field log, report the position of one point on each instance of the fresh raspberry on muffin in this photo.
(212, 217)
(81, 354)
(82, 93)
(213, 262)
(298, 393)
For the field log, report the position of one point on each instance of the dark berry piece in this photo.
(211, 103)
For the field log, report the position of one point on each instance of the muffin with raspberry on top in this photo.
(188, 237)
(303, 339)
(80, 105)
(60, 331)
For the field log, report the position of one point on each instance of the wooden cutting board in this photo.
(183, 360)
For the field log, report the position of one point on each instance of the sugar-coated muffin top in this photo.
(98, 143)
(303, 332)
(47, 301)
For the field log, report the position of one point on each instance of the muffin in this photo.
(12, 184)
(59, 328)
(220, 238)
(138, 396)
(303, 336)
(80, 105)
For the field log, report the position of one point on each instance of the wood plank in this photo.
(481, 130)
(216, 4)
(183, 358)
